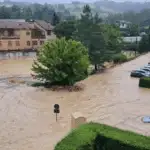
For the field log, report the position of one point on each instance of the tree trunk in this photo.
(96, 67)
(135, 52)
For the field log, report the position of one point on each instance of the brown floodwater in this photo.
(27, 121)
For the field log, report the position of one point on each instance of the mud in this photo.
(27, 121)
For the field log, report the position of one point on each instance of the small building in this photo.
(122, 24)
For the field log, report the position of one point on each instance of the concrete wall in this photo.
(8, 55)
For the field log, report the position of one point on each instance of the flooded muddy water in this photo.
(27, 121)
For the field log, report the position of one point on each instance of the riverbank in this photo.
(26, 113)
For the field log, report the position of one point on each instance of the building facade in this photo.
(20, 35)
(122, 24)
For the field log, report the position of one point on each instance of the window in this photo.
(34, 43)
(17, 43)
(28, 43)
(27, 33)
(41, 42)
(9, 43)
(49, 32)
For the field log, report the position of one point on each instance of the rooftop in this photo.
(45, 25)
(14, 24)
(22, 24)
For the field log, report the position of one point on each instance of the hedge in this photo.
(144, 82)
(119, 58)
(94, 136)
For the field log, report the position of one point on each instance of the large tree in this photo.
(113, 38)
(62, 62)
(55, 19)
(65, 29)
(90, 33)
(144, 44)
(133, 30)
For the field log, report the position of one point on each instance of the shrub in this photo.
(131, 46)
(94, 136)
(61, 62)
(144, 44)
(119, 58)
(144, 82)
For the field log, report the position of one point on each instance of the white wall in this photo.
(132, 39)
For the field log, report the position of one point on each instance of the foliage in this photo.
(67, 11)
(133, 30)
(34, 11)
(144, 44)
(144, 82)
(134, 47)
(62, 62)
(113, 38)
(130, 46)
(119, 58)
(94, 136)
(55, 19)
(65, 29)
(134, 17)
(102, 42)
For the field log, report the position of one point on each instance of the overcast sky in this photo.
(67, 1)
(94, 0)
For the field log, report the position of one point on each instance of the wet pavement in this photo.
(27, 121)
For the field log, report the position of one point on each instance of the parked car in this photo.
(143, 71)
(146, 69)
(148, 65)
(139, 73)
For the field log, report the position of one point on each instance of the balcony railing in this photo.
(39, 37)
(9, 37)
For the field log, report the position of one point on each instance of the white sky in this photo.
(67, 1)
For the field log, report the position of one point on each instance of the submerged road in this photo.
(27, 121)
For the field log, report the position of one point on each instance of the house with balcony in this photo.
(21, 35)
(122, 24)
(47, 29)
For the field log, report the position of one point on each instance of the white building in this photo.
(132, 39)
(122, 24)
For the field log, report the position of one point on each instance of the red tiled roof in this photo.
(15, 25)
(45, 25)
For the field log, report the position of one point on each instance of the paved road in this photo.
(27, 121)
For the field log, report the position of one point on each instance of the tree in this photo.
(83, 27)
(96, 19)
(97, 47)
(62, 62)
(65, 29)
(46, 12)
(90, 33)
(133, 30)
(55, 19)
(144, 44)
(113, 38)
(5, 13)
